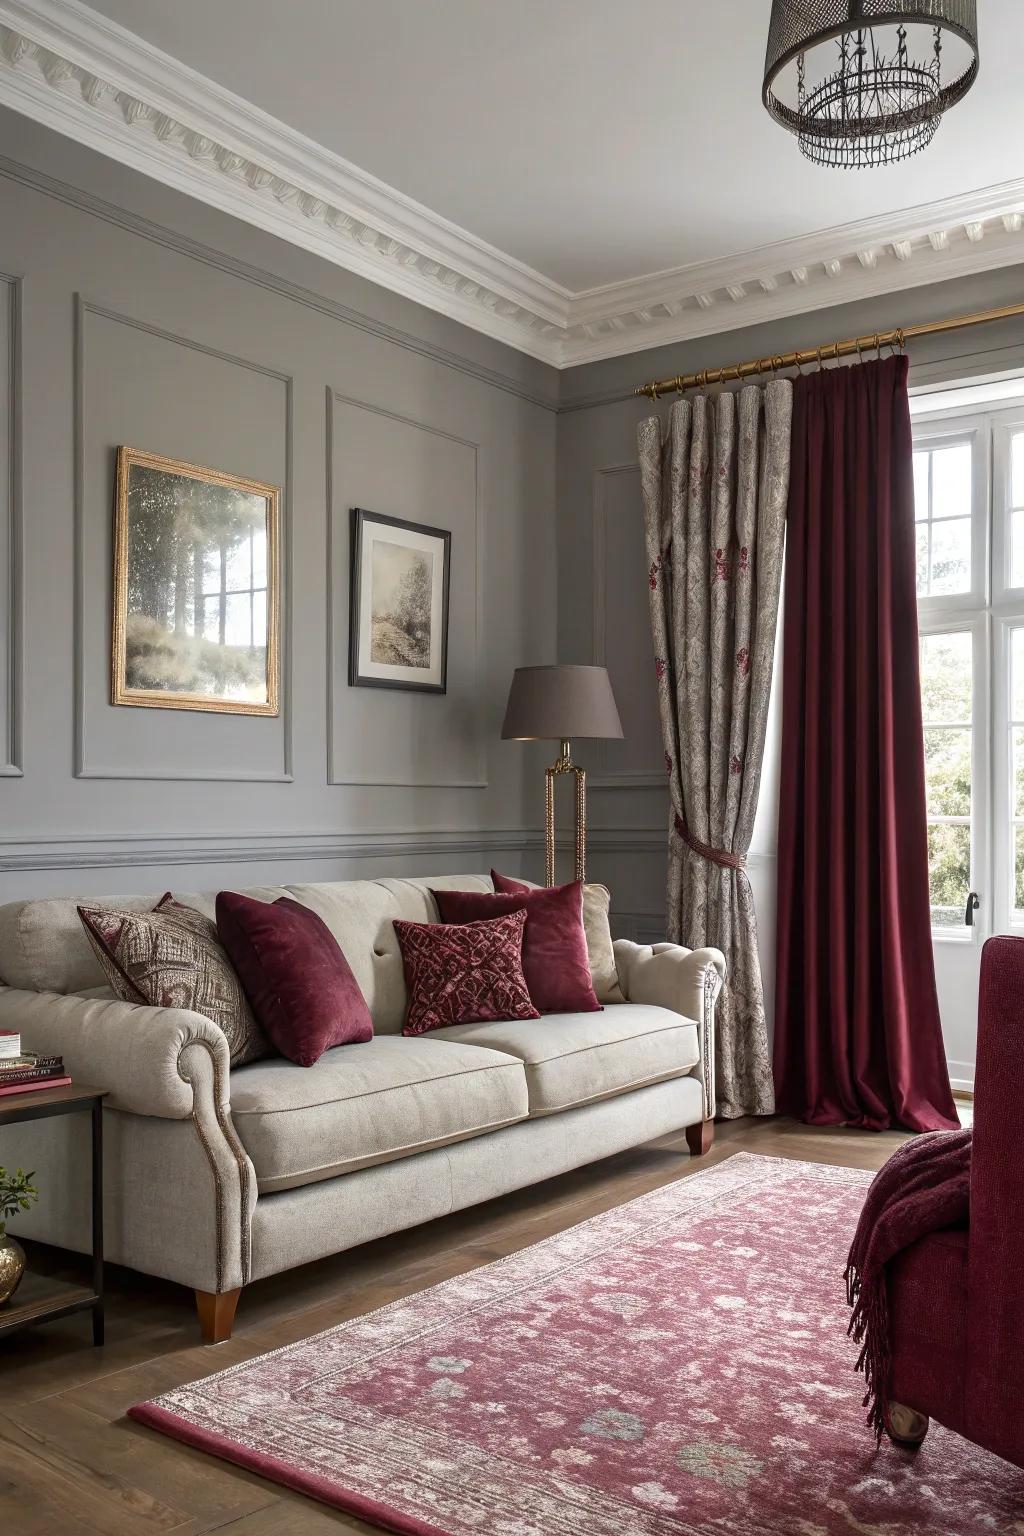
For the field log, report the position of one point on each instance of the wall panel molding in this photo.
(11, 534)
(338, 642)
(247, 272)
(155, 849)
(84, 769)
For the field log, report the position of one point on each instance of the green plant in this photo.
(17, 1193)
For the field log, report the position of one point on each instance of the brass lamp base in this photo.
(564, 764)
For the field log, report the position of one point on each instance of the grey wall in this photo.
(129, 314)
(603, 599)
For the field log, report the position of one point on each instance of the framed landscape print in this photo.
(398, 634)
(196, 601)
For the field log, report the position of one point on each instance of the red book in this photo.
(50, 1082)
(31, 1074)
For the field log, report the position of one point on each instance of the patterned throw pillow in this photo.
(465, 973)
(555, 961)
(172, 958)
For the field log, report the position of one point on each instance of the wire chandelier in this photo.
(865, 82)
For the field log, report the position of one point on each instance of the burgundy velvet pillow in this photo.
(556, 962)
(464, 975)
(295, 976)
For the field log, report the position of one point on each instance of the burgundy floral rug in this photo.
(676, 1367)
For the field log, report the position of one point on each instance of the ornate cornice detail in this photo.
(973, 233)
(70, 68)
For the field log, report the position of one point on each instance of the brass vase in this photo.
(12, 1267)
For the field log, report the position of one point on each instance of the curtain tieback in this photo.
(713, 855)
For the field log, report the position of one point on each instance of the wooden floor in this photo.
(71, 1463)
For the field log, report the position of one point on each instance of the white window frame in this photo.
(991, 610)
(1007, 614)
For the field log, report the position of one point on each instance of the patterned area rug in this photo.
(676, 1367)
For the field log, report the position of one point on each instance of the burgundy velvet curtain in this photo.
(857, 1035)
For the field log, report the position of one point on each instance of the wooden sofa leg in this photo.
(699, 1137)
(216, 1314)
(905, 1425)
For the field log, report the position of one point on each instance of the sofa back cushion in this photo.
(43, 947)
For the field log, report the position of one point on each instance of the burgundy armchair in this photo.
(956, 1297)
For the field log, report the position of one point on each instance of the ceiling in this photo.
(579, 178)
(591, 139)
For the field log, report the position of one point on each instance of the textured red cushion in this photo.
(465, 974)
(556, 962)
(299, 983)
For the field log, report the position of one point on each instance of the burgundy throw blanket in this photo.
(924, 1186)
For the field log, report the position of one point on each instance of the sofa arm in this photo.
(686, 980)
(144, 1057)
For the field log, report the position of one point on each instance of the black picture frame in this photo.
(358, 675)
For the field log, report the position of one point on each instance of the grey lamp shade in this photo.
(560, 703)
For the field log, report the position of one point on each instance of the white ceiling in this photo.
(593, 140)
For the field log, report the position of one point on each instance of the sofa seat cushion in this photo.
(575, 1058)
(370, 1103)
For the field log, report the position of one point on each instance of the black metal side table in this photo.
(39, 1298)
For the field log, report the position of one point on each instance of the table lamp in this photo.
(558, 703)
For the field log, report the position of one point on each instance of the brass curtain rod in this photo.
(825, 353)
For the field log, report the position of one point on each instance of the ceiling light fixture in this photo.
(865, 82)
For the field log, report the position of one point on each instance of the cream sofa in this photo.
(214, 1177)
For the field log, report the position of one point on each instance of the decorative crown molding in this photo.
(66, 66)
(973, 232)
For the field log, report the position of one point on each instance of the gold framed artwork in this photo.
(196, 588)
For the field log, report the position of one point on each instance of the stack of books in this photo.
(23, 1071)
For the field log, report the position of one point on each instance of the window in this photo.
(969, 513)
(232, 607)
(942, 507)
(947, 700)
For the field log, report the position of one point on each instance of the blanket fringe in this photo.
(869, 1327)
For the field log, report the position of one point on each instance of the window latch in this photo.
(972, 906)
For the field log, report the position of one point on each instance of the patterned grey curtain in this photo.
(714, 493)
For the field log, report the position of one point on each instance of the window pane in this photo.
(1017, 469)
(1017, 549)
(921, 486)
(239, 613)
(1018, 771)
(951, 557)
(949, 868)
(922, 559)
(1018, 869)
(947, 759)
(239, 565)
(259, 558)
(259, 619)
(211, 570)
(946, 677)
(1017, 674)
(951, 481)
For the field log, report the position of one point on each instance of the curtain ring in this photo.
(820, 363)
(878, 347)
(679, 385)
(654, 393)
